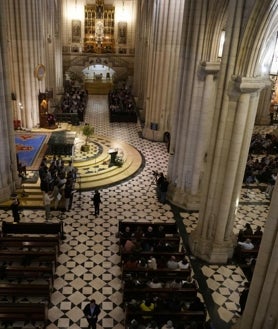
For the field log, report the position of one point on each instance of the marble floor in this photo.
(89, 261)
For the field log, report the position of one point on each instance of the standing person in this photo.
(15, 210)
(243, 297)
(47, 198)
(159, 182)
(68, 195)
(91, 312)
(56, 195)
(163, 190)
(97, 202)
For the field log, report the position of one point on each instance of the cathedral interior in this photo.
(125, 91)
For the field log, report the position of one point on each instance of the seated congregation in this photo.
(159, 288)
(122, 106)
(28, 258)
(261, 167)
(73, 105)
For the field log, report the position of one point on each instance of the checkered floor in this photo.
(89, 262)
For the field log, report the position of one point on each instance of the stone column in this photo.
(213, 238)
(27, 34)
(263, 112)
(261, 307)
(53, 60)
(185, 186)
(143, 28)
(8, 166)
(163, 67)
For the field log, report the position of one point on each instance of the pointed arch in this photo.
(258, 42)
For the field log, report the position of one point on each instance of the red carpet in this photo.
(30, 148)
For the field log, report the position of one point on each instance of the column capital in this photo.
(248, 85)
(206, 68)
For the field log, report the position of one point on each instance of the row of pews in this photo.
(122, 107)
(28, 256)
(135, 280)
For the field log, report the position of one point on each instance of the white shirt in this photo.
(155, 285)
(246, 245)
(166, 326)
(183, 266)
(172, 264)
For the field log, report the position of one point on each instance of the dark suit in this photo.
(243, 299)
(97, 201)
(92, 316)
(15, 210)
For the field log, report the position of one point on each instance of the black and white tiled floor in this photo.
(89, 262)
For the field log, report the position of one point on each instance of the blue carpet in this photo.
(28, 145)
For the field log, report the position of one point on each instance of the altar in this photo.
(98, 87)
(61, 143)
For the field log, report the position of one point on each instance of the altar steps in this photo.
(92, 174)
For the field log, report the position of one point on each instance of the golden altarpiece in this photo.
(99, 28)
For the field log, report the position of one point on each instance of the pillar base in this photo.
(18, 182)
(211, 251)
(237, 324)
(5, 193)
(263, 120)
(153, 135)
(183, 199)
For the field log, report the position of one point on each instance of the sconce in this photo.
(20, 106)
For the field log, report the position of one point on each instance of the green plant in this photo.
(88, 131)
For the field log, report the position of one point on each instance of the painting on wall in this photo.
(76, 30)
(122, 32)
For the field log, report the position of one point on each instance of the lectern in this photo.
(113, 153)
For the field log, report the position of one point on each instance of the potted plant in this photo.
(87, 131)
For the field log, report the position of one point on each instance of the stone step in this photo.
(93, 173)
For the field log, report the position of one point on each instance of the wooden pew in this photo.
(25, 290)
(67, 117)
(31, 312)
(255, 239)
(162, 317)
(9, 228)
(27, 256)
(241, 254)
(141, 293)
(169, 228)
(168, 243)
(20, 273)
(29, 245)
(30, 241)
(159, 254)
(160, 274)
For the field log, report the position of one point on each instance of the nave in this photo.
(89, 262)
